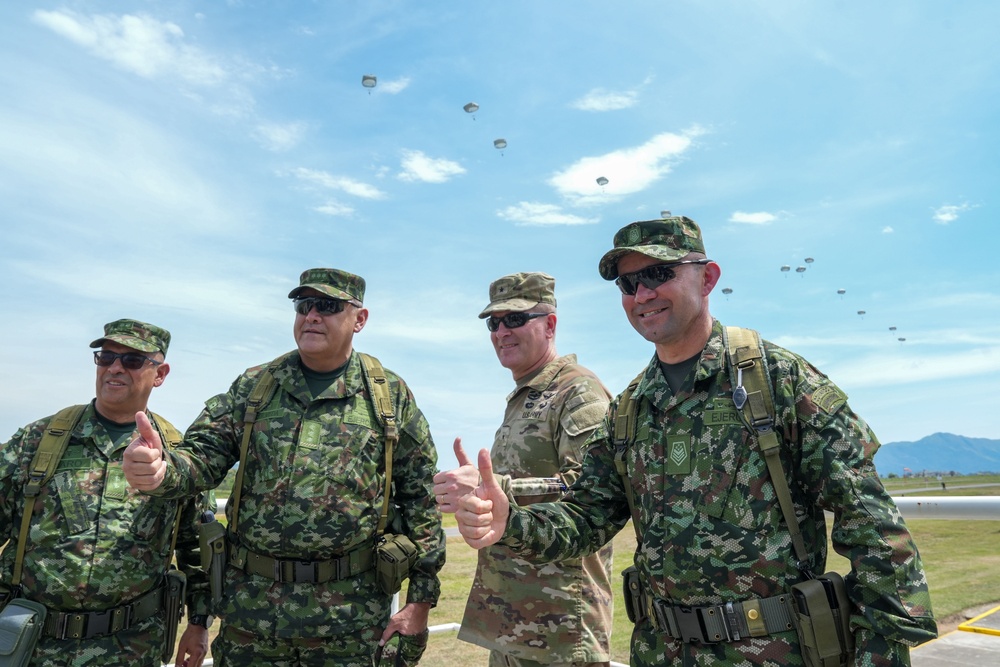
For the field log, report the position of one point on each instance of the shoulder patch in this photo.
(829, 398)
(584, 418)
(217, 406)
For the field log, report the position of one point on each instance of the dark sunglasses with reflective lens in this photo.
(323, 305)
(651, 276)
(132, 361)
(511, 320)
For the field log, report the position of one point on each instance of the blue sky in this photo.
(182, 162)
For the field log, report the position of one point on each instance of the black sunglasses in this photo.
(651, 276)
(323, 305)
(132, 361)
(511, 320)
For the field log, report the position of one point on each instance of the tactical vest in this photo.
(378, 390)
(50, 451)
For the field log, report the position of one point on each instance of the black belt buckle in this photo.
(304, 571)
(98, 624)
(689, 624)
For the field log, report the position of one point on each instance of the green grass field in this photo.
(961, 559)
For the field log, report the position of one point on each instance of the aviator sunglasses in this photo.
(511, 320)
(651, 276)
(322, 304)
(132, 361)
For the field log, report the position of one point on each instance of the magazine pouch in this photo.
(822, 620)
(394, 556)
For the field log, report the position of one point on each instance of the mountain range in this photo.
(939, 453)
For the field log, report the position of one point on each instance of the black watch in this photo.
(199, 619)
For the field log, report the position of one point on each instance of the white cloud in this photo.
(138, 44)
(395, 86)
(599, 99)
(628, 170)
(334, 208)
(419, 167)
(758, 218)
(344, 184)
(888, 230)
(279, 137)
(532, 214)
(949, 213)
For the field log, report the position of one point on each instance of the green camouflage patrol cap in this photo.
(332, 282)
(669, 239)
(519, 292)
(135, 334)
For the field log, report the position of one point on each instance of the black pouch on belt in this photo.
(173, 609)
(21, 623)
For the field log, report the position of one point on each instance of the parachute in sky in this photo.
(861, 313)
(785, 268)
(500, 144)
(664, 214)
(841, 291)
(892, 328)
(602, 181)
(800, 269)
(369, 81)
(809, 260)
(472, 108)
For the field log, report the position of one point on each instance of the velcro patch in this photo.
(721, 417)
(678, 455)
(829, 398)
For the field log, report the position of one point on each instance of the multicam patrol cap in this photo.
(520, 292)
(332, 282)
(135, 334)
(669, 239)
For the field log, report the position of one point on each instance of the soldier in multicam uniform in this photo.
(711, 528)
(554, 613)
(97, 549)
(300, 588)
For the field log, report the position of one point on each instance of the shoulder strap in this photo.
(378, 389)
(624, 437)
(259, 397)
(755, 404)
(172, 438)
(43, 465)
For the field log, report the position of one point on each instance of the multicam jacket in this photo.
(711, 527)
(557, 611)
(313, 491)
(94, 543)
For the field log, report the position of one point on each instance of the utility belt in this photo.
(727, 622)
(91, 624)
(289, 570)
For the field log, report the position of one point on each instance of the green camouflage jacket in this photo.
(313, 490)
(710, 522)
(558, 611)
(94, 543)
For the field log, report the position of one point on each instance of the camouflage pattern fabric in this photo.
(95, 543)
(402, 650)
(235, 648)
(712, 529)
(559, 610)
(312, 491)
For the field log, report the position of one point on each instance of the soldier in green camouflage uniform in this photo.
(311, 495)
(711, 527)
(546, 613)
(96, 546)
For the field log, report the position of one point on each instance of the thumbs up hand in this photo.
(451, 485)
(482, 515)
(143, 461)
